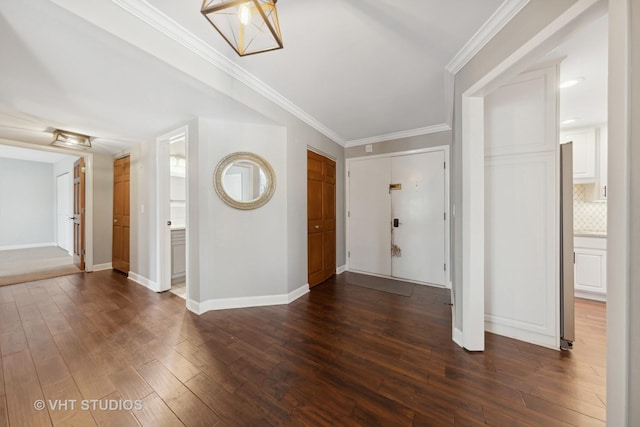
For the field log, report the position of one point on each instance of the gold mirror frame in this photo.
(229, 160)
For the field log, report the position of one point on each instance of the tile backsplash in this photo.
(588, 216)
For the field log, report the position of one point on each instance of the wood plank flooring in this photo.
(341, 355)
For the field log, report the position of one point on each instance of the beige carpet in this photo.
(29, 264)
(39, 275)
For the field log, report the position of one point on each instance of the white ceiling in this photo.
(586, 57)
(12, 152)
(362, 69)
(59, 71)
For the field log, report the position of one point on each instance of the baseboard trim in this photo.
(297, 293)
(458, 338)
(245, 302)
(102, 267)
(27, 246)
(590, 295)
(509, 331)
(143, 281)
(341, 269)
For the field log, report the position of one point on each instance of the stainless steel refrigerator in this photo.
(567, 258)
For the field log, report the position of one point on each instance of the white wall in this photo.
(242, 254)
(143, 240)
(623, 222)
(102, 208)
(27, 203)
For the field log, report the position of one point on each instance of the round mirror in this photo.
(244, 180)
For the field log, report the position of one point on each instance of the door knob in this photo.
(396, 222)
(317, 226)
(115, 220)
(168, 222)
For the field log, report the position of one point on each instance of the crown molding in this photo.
(494, 24)
(397, 135)
(147, 13)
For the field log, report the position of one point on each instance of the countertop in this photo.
(598, 234)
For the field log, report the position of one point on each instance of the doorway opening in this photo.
(39, 243)
(173, 213)
(474, 220)
(321, 218)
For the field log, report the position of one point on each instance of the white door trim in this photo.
(447, 203)
(163, 212)
(66, 230)
(472, 335)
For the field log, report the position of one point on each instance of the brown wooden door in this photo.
(321, 215)
(78, 213)
(121, 186)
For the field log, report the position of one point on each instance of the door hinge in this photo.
(445, 165)
(445, 216)
(349, 174)
(349, 254)
(348, 214)
(83, 252)
(445, 267)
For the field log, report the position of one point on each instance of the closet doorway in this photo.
(121, 214)
(321, 217)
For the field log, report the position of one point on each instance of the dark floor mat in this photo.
(379, 284)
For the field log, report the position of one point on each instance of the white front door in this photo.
(64, 212)
(418, 215)
(369, 216)
(418, 203)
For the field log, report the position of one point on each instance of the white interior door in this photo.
(418, 215)
(64, 211)
(369, 217)
(522, 213)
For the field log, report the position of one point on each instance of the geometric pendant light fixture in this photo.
(249, 26)
(64, 138)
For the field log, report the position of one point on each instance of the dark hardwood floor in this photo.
(341, 355)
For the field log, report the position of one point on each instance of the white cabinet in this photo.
(589, 159)
(591, 267)
(584, 154)
(178, 255)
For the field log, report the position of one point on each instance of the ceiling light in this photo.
(571, 82)
(63, 138)
(249, 26)
(569, 121)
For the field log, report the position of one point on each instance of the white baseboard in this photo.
(591, 296)
(341, 269)
(498, 327)
(458, 337)
(297, 293)
(27, 246)
(243, 302)
(141, 280)
(102, 267)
